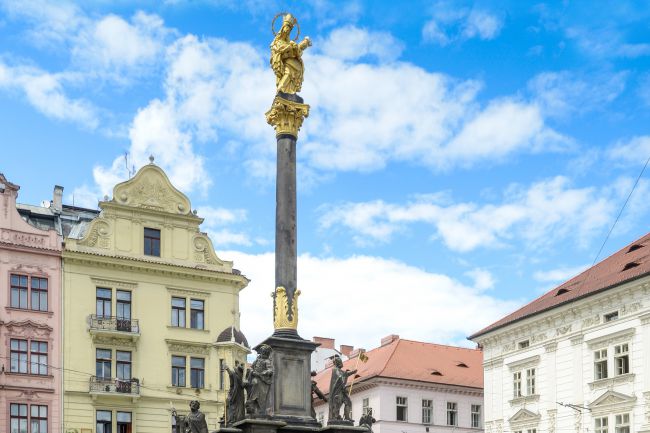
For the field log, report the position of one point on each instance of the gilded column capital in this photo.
(286, 116)
(285, 314)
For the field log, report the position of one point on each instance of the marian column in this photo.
(286, 116)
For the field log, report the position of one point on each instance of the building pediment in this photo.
(151, 189)
(524, 416)
(28, 329)
(610, 400)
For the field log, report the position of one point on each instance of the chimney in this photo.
(325, 343)
(57, 199)
(346, 350)
(356, 352)
(389, 339)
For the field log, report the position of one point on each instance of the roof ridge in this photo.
(451, 346)
(390, 357)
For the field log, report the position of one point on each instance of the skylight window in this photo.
(562, 291)
(461, 364)
(630, 266)
(435, 372)
(634, 247)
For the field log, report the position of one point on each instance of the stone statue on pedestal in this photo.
(367, 420)
(258, 382)
(235, 399)
(339, 394)
(194, 422)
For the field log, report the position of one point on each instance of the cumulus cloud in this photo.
(558, 275)
(634, 151)
(540, 214)
(45, 92)
(371, 289)
(353, 43)
(451, 23)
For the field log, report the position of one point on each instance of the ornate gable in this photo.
(523, 417)
(151, 189)
(28, 329)
(612, 400)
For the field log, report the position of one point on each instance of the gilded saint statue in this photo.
(286, 57)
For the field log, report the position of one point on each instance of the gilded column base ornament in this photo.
(286, 116)
(285, 315)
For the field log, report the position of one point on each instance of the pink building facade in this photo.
(30, 318)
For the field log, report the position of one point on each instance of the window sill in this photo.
(611, 381)
(188, 329)
(29, 375)
(524, 399)
(27, 310)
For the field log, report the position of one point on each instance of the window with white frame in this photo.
(622, 423)
(452, 413)
(601, 425)
(402, 409)
(621, 359)
(516, 382)
(476, 416)
(427, 411)
(600, 364)
(530, 381)
(365, 405)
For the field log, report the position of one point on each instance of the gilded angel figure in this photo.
(286, 57)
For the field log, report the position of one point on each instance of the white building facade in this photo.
(576, 366)
(407, 403)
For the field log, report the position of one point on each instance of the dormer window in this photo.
(151, 242)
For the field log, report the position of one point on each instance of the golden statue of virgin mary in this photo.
(286, 57)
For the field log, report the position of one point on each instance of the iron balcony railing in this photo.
(114, 385)
(112, 323)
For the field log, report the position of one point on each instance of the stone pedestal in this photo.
(291, 388)
(257, 426)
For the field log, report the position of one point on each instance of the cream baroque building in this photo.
(577, 359)
(150, 313)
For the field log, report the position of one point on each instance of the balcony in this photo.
(114, 388)
(106, 330)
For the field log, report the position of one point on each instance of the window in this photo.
(123, 422)
(610, 317)
(123, 365)
(123, 304)
(104, 421)
(18, 291)
(402, 409)
(178, 371)
(197, 372)
(104, 302)
(427, 408)
(622, 359)
(524, 344)
(39, 294)
(18, 414)
(516, 381)
(476, 416)
(452, 413)
(18, 356)
(221, 374)
(600, 425)
(365, 405)
(38, 418)
(530, 381)
(196, 314)
(178, 312)
(600, 364)
(38, 357)
(152, 242)
(103, 364)
(622, 423)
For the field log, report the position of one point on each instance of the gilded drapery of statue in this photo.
(286, 57)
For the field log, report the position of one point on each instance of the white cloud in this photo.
(483, 279)
(45, 92)
(634, 151)
(221, 216)
(560, 94)
(225, 237)
(539, 215)
(353, 43)
(370, 288)
(451, 23)
(558, 275)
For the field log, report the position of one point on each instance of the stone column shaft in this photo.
(285, 216)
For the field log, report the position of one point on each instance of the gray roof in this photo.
(71, 222)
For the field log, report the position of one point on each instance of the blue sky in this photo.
(460, 158)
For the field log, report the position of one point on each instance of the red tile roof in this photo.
(625, 265)
(414, 360)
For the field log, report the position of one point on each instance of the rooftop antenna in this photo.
(130, 171)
